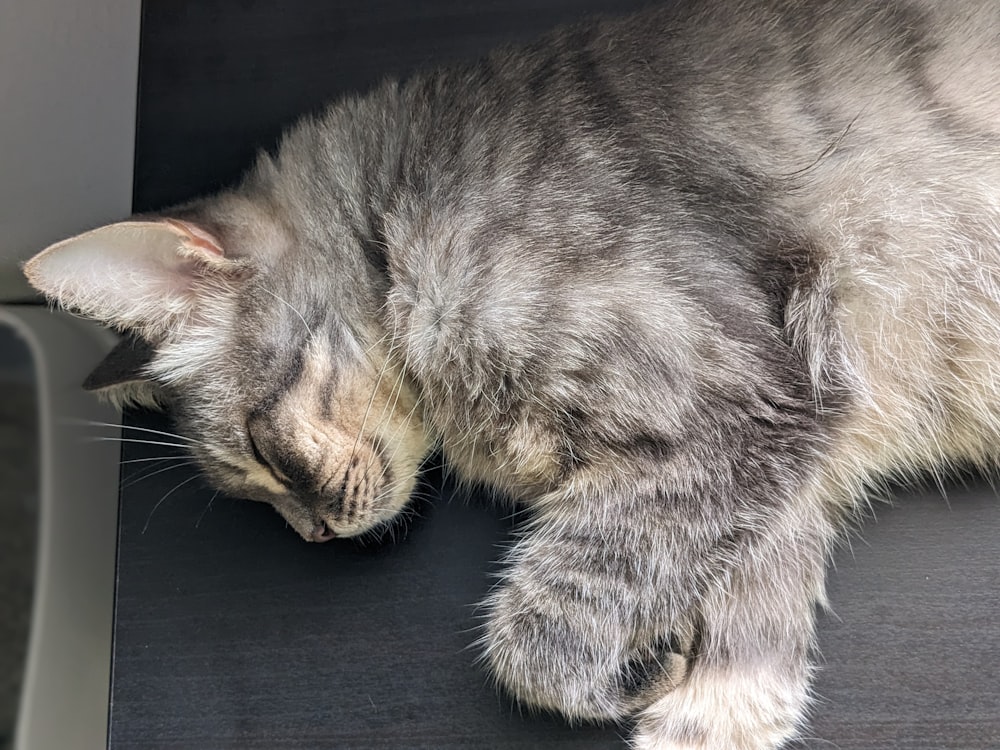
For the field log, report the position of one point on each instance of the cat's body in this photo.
(682, 284)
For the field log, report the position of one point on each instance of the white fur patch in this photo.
(728, 709)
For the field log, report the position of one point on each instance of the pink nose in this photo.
(322, 533)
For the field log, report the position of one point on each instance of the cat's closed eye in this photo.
(261, 459)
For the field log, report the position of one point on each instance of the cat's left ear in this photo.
(145, 276)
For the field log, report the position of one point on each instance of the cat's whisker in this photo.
(403, 425)
(176, 457)
(206, 509)
(381, 340)
(389, 408)
(157, 461)
(424, 496)
(162, 499)
(397, 391)
(396, 484)
(150, 474)
(108, 438)
(371, 401)
(364, 419)
(291, 307)
(93, 423)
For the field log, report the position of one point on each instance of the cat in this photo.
(684, 284)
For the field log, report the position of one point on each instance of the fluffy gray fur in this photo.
(683, 284)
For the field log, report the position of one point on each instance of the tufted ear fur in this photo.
(144, 276)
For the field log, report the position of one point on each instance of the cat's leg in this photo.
(572, 626)
(700, 620)
(748, 683)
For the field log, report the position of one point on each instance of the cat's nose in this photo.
(322, 533)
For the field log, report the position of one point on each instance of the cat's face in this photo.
(300, 414)
(283, 400)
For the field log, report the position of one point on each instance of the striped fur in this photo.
(683, 284)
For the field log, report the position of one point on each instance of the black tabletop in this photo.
(231, 632)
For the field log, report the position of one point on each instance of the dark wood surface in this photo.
(231, 632)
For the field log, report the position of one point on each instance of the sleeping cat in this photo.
(683, 284)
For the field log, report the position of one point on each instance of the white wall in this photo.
(68, 72)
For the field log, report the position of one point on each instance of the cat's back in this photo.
(770, 77)
(715, 90)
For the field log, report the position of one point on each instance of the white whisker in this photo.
(103, 438)
(403, 425)
(91, 423)
(368, 408)
(178, 457)
(378, 343)
(388, 407)
(287, 304)
(149, 474)
(160, 501)
(207, 508)
(405, 422)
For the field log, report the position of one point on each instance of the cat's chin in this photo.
(382, 514)
(323, 532)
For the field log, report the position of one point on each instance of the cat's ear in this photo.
(122, 378)
(145, 276)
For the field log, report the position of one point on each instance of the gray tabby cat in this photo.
(682, 284)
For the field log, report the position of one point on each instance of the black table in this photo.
(231, 632)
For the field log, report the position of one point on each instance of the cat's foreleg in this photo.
(572, 626)
(748, 683)
(640, 603)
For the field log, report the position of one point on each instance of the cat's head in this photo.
(266, 341)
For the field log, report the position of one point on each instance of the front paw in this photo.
(724, 710)
(567, 652)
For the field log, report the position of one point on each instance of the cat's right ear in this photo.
(144, 276)
(122, 379)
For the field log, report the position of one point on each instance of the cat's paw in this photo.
(723, 711)
(574, 656)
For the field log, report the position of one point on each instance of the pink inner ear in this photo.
(197, 237)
